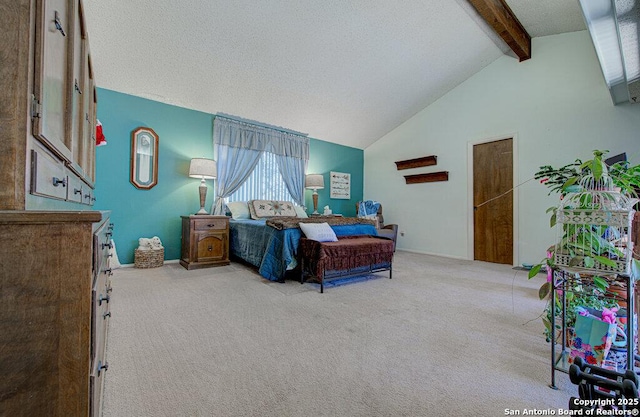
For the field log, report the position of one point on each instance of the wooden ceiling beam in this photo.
(499, 16)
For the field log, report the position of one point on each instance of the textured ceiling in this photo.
(342, 71)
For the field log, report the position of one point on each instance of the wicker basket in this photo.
(151, 258)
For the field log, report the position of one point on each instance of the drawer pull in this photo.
(87, 196)
(108, 234)
(108, 272)
(77, 191)
(101, 366)
(77, 87)
(57, 181)
(107, 245)
(105, 315)
(56, 21)
(109, 289)
(103, 298)
(210, 248)
(110, 227)
(211, 225)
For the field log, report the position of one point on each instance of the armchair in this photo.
(390, 231)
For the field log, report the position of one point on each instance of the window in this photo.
(264, 183)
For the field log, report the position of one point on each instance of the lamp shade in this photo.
(314, 181)
(203, 168)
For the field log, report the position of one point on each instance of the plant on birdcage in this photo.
(589, 188)
(592, 221)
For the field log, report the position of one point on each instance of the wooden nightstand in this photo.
(205, 241)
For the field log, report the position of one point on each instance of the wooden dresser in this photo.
(205, 241)
(54, 268)
(54, 292)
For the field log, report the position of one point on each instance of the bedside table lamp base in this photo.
(315, 202)
(203, 197)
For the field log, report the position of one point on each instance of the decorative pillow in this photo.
(260, 209)
(300, 212)
(239, 210)
(321, 232)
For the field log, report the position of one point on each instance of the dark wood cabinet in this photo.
(205, 241)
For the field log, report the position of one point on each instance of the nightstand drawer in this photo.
(210, 224)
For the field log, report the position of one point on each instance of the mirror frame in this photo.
(138, 137)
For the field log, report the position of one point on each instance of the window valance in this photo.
(241, 133)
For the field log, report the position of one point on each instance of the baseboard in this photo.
(434, 254)
(170, 261)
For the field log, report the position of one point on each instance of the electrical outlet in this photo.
(402, 233)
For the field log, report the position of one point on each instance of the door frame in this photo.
(516, 181)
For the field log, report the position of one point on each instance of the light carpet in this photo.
(444, 337)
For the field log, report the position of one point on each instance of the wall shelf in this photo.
(425, 161)
(430, 177)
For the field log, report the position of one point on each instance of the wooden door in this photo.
(493, 201)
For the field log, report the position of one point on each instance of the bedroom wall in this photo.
(184, 134)
(557, 108)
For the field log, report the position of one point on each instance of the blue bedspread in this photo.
(274, 251)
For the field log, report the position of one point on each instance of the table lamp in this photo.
(202, 168)
(314, 182)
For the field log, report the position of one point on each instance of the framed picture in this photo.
(144, 158)
(340, 185)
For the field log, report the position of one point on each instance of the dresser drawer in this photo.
(76, 188)
(48, 176)
(101, 245)
(101, 296)
(210, 224)
(88, 196)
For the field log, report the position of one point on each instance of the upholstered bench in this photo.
(349, 256)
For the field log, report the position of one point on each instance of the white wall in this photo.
(557, 107)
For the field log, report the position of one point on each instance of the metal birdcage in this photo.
(593, 229)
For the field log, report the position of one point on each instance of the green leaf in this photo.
(635, 269)
(552, 220)
(547, 323)
(544, 290)
(570, 182)
(600, 283)
(597, 168)
(589, 262)
(534, 270)
(605, 261)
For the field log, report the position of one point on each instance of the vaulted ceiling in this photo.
(344, 71)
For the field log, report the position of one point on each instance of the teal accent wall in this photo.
(184, 134)
(326, 157)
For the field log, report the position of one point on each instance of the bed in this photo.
(272, 244)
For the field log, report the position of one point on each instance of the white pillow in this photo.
(300, 212)
(321, 232)
(239, 210)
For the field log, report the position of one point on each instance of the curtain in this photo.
(292, 171)
(239, 144)
(234, 166)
